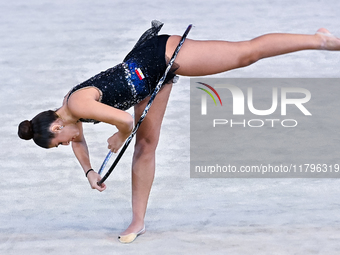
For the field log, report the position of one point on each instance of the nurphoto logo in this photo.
(264, 127)
(238, 106)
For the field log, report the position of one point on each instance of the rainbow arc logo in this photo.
(209, 93)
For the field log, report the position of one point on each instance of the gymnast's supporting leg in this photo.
(143, 163)
(197, 58)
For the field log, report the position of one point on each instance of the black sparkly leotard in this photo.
(133, 80)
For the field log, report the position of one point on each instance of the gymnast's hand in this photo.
(116, 141)
(93, 178)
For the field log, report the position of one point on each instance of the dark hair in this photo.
(38, 128)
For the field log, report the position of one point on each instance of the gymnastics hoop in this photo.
(158, 87)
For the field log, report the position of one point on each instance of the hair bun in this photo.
(25, 130)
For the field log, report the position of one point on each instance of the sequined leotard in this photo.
(133, 80)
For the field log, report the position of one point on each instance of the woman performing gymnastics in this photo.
(104, 97)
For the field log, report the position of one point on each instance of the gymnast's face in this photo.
(63, 134)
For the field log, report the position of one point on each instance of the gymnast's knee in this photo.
(145, 146)
(249, 57)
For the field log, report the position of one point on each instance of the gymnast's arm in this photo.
(84, 104)
(81, 152)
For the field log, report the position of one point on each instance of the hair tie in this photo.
(88, 172)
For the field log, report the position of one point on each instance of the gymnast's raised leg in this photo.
(198, 58)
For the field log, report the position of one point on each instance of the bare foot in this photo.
(328, 41)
